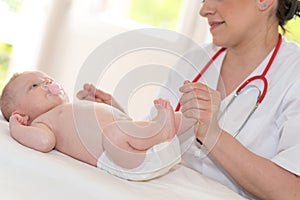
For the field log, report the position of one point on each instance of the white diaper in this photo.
(158, 161)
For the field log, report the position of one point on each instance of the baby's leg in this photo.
(126, 142)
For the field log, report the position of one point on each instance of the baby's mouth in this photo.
(54, 89)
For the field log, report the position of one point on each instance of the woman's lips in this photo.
(215, 24)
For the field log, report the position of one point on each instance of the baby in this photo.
(42, 118)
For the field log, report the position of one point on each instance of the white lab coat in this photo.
(272, 132)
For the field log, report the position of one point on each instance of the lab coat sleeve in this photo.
(288, 156)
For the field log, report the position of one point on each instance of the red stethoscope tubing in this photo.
(261, 77)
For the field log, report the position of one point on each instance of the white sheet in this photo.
(28, 174)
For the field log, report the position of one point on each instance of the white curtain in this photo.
(35, 33)
(56, 36)
(192, 24)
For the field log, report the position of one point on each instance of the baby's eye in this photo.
(34, 85)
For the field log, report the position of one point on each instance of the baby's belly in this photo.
(85, 116)
(79, 130)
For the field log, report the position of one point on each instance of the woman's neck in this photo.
(241, 60)
(252, 52)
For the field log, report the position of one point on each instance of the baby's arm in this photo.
(91, 93)
(37, 136)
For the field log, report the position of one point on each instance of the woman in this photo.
(256, 157)
(263, 159)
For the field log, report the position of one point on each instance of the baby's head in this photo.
(30, 94)
(7, 103)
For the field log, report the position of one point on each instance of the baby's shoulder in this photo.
(53, 114)
(58, 110)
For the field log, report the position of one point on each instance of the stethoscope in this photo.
(245, 85)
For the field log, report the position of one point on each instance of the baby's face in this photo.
(32, 95)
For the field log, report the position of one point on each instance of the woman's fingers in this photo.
(195, 95)
(201, 103)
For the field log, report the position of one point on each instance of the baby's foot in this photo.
(166, 117)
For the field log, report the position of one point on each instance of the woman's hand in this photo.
(201, 103)
(253, 172)
(91, 93)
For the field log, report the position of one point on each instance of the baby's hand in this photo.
(19, 119)
(91, 93)
(87, 93)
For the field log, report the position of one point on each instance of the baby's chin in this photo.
(63, 97)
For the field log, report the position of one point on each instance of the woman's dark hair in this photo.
(286, 10)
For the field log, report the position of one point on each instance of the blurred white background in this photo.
(57, 36)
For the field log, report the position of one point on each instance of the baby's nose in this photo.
(48, 81)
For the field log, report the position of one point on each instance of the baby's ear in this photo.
(16, 112)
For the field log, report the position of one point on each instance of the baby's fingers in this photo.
(15, 119)
(82, 94)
